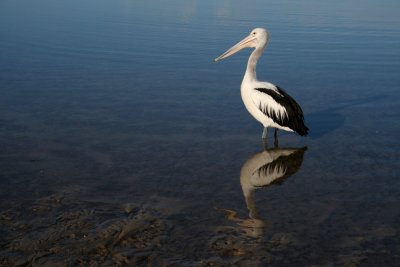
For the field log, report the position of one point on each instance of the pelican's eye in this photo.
(254, 33)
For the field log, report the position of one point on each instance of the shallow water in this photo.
(122, 142)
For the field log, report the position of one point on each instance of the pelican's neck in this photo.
(251, 74)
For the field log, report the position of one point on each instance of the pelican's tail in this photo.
(302, 130)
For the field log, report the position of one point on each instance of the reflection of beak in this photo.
(237, 47)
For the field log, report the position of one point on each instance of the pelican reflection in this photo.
(269, 167)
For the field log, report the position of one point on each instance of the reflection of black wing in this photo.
(272, 166)
(284, 165)
(293, 119)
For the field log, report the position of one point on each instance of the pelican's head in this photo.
(257, 38)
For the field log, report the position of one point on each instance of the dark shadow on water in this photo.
(324, 122)
(327, 120)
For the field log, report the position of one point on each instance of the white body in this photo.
(252, 99)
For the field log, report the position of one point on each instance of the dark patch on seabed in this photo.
(62, 230)
(55, 232)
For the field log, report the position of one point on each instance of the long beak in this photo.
(237, 47)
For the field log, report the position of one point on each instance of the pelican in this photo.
(267, 103)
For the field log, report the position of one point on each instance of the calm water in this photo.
(123, 143)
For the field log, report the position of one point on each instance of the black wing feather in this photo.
(295, 118)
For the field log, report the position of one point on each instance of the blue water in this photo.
(114, 111)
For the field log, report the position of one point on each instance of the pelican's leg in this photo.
(265, 139)
(276, 144)
(264, 135)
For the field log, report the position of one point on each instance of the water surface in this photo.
(122, 142)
